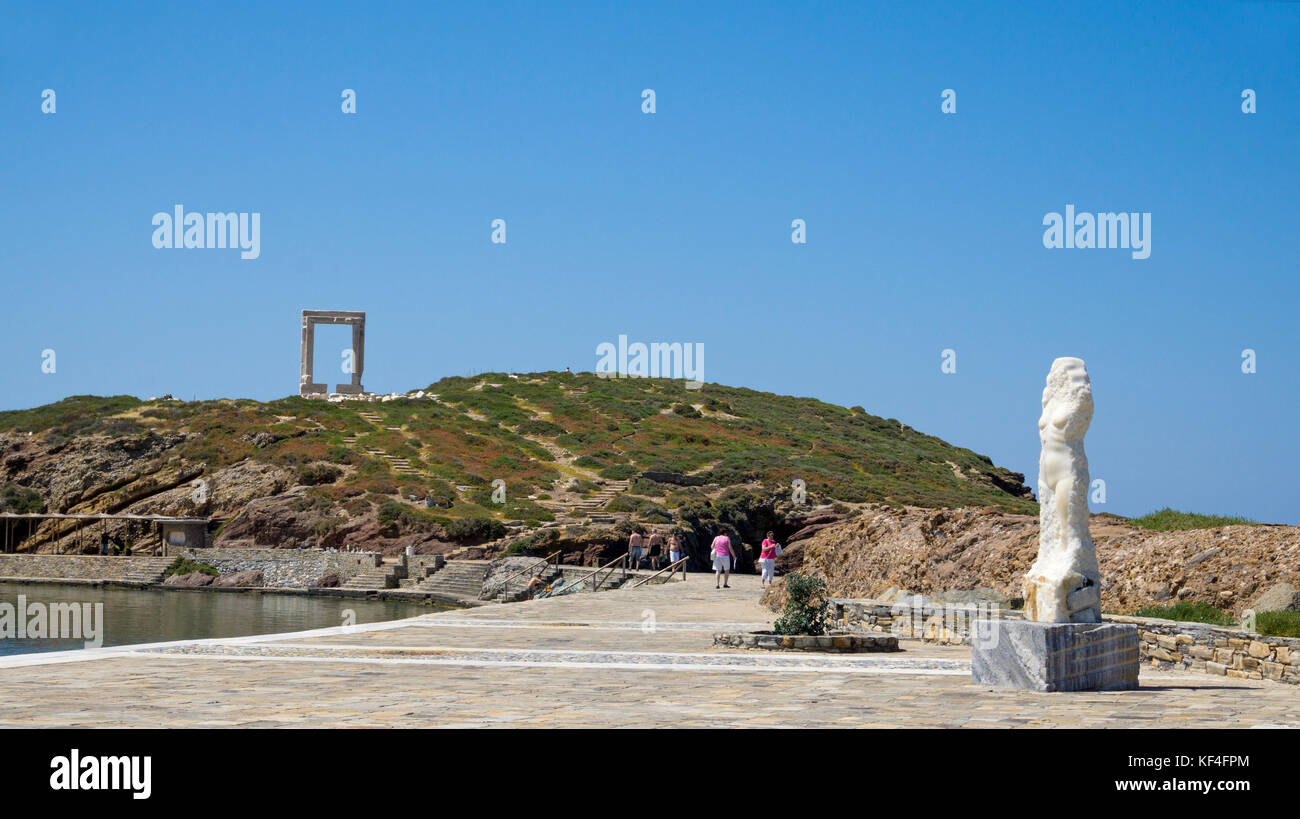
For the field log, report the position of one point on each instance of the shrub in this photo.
(544, 428)
(183, 565)
(805, 613)
(20, 499)
(357, 507)
(686, 411)
(618, 472)
(408, 517)
(316, 474)
(476, 529)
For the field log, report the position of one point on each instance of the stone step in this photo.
(458, 577)
(375, 579)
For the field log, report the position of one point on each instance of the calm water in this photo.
(150, 616)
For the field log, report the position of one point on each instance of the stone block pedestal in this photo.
(1054, 656)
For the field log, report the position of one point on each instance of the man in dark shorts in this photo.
(656, 549)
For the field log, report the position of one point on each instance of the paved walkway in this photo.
(628, 658)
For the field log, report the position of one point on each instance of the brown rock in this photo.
(250, 578)
(1279, 597)
(1162, 654)
(930, 551)
(191, 579)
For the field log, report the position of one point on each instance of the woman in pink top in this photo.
(767, 558)
(722, 557)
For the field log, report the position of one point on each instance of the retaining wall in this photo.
(287, 568)
(72, 567)
(1164, 643)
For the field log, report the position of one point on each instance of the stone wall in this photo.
(1215, 650)
(423, 564)
(927, 622)
(72, 567)
(1165, 644)
(287, 568)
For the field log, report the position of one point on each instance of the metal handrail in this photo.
(556, 554)
(671, 568)
(599, 569)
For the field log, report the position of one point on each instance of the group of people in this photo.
(114, 546)
(721, 553)
(653, 549)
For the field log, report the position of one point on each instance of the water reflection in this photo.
(149, 615)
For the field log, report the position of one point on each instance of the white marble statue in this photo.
(1064, 584)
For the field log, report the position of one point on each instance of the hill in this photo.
(928, 551)
(419, 469)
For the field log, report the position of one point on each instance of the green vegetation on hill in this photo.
(1169, 520)
(1186, 612)
(533, 431)
(1267, 623)
(183, 565)
(1278, 623)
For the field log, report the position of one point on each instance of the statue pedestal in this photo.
(1054, 656)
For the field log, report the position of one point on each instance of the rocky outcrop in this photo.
(509, 576)
(938, 550)
(136, 475)
(297, 520)
(191, 579)
(1280, 597)
(245, 579)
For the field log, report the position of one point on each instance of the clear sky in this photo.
(924, 229)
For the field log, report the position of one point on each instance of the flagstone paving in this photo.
(636, 658)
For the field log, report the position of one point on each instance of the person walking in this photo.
(674, 548)
(634, 550)
(535, 585)
(723, 555)
(767, 559)
(656, 548)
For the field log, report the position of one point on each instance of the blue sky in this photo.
(924, 230)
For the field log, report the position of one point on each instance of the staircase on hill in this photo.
(147, 572)
(591, 508)
(400, 465)
(458, 578)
